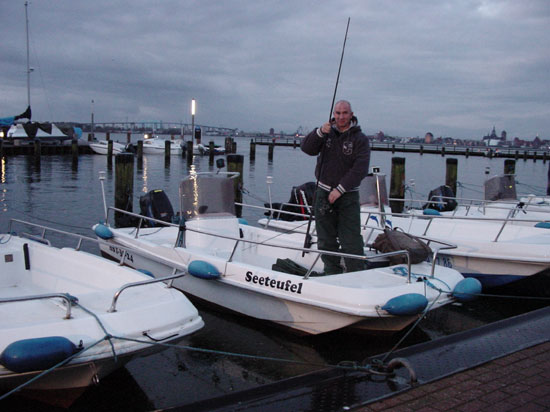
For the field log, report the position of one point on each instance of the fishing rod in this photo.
(308, 239)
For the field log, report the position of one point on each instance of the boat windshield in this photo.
(207, 195)
(368, 193)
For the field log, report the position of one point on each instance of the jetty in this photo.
(440, 149)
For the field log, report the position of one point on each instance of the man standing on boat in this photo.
(342, 163)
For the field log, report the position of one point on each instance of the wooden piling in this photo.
(421, 150)
(124, 186)
(467, 153)
(397, 184)
(252, 149)
(74, 149)
(451, 174)
(270, 152)
(525, 155)
(509, 167)
(139, 150)
(37, 148)
(227, 145)
(108, 136)
(544, 158)
(189, 152)
(442, 151)
(128, 137)
(235, 163)
(109, 147)
(211, 152)
(167, 144)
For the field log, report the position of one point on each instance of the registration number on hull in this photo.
(121, 252)
(445, 261)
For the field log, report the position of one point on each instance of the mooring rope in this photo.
(46, 371)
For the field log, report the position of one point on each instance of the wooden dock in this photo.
(504, 152)
(10, 149)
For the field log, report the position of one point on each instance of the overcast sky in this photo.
(451, 67)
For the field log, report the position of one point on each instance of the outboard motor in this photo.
(500, 188)
(156, 204)
(442, 198)
(130, 148)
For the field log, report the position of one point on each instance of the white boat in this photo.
(238, 267)
(74, 317)
(500, 201)
(156, 145)
(102, 147)
(29, 131)
(200, 149)
(488, 248)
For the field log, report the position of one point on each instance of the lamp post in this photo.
(193, 105)
(92, 126)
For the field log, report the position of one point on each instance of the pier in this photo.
(454, 150)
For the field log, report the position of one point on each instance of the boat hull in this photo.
(103, 149)
(110, 333)
(287, 300)
(519, 253)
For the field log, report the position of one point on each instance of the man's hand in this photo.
(326, 128)
(334, 195)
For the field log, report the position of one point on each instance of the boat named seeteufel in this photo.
(266, 275)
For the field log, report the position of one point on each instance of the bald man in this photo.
(343, 161)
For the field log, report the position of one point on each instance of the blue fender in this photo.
(203, 270)
(37, 354)
(146, 272)
(103, 232)
(431, 212)
(467, 289)
(406, 305)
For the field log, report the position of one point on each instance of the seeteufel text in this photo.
(287, 285)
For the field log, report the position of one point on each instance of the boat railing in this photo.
(238, 240)
(63, 296)
(42, 238)
(431, 218)
(482, 204)
(141, 283)
(274, 210)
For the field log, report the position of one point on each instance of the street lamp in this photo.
(92, 126)
(193, 106)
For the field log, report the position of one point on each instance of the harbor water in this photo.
(59, 193)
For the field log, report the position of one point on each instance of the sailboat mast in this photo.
(28, 67)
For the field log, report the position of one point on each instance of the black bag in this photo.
(394, 240)
(289, 266)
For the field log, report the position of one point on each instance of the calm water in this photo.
(59, 194)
